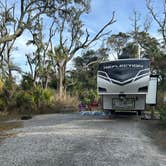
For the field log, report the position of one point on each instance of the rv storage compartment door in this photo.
(151, 97)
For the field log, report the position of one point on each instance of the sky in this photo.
(100, 14)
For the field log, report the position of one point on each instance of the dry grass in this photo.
(65, 105)
(5, 126)
(68, 100)
(9, 125)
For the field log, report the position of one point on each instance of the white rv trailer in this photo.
(123, 84)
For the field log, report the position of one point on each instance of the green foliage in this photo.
(7, 92)
(46, 95)
(129, 51)
(9, 84)
(53, 82)
(38, 94)
(2, 99)
(85, 74)
(93, 95)
(162, 112)
(88, 96)
(3, 103)
(84, 97)
(117, 42)
(34, 98)
(42, 96)
(24, 100)
(27, 82)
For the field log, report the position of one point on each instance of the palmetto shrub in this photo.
(24, 100)
(42, 96)
(48, 96)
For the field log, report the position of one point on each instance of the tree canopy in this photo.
(59, 37)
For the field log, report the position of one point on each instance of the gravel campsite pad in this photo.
(76, 140)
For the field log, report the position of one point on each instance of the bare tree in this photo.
(15, 17)
(40, 64)
(27, 12)
(6, 48)
(72, 38)
(160, 19)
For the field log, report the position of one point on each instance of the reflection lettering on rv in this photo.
(124, 66)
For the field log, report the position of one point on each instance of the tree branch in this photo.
(161, 23)
(88, 42)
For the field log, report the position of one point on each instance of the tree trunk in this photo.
(61, 79)
(45, 86)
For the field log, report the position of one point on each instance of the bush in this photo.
(48, 96)
(162, 112)
(24, 100)
(42, 96)
(38, 95)
(88, 96)
(7, 90)
(35, 99)
(3, 104)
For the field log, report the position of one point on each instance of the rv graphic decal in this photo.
(124, 66)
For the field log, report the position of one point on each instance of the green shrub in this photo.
(88, 96)
(24, 100)
(48, 96)
(3, 104)
(42, 96)
(7, 92)
(162, 112)
(34, 99)
(38, 95)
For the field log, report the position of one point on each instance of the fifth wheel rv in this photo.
(125, 84)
